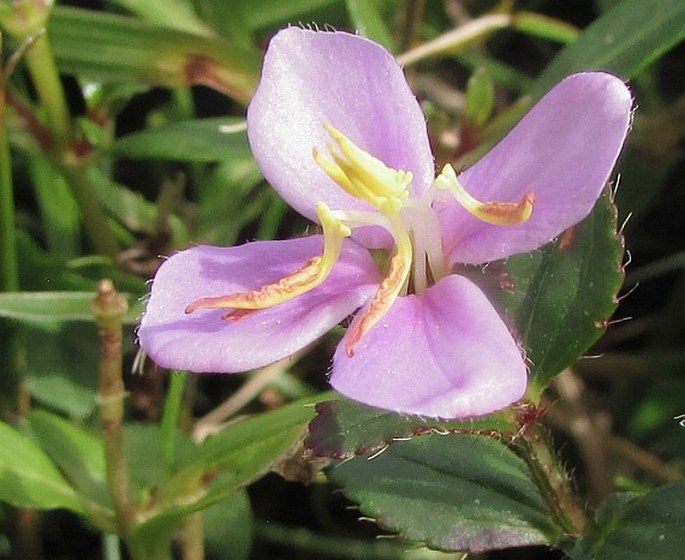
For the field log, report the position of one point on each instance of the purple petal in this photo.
(310, 78)
(204, 342)
(563, 151)
(446, 353)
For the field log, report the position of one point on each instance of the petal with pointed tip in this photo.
(445, 353)
(204, 342)
(563, 151)
(311, 78)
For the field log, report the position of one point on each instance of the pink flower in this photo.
(338, 133)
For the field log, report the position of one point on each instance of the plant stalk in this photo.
(551, 478)
(26, 540)
(50, 91)
(109, 308)
(9, 260)
(94, 217)
(41, 64)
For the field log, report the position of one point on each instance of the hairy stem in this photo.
(535, 446)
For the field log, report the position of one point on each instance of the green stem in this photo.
(26, 539)
(193, 537)
(141, 551)
(14, 401)
(47, 82)
(457, 40)
(50, 91)
(170, 417)
(301, 540)
(110, 308)
(413, 18)
(9, 261)
(549, 475)
(111, 550)
(92, 212)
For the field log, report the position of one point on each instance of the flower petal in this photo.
(445, 353)
(313, 77)
(563, 151)
(204, 342)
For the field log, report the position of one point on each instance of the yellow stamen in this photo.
(312, 274)
(362, 175)
(389, 290)
(497, 213)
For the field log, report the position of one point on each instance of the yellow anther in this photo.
(388, 291)
(335, 173)
(497, 213)
(312, 274)
(362, 175)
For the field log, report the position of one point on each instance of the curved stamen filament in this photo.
(389, 290)
(312, 274)
(497, 213)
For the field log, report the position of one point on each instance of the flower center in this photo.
(417, 260)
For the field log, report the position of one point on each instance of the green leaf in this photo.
(133, 50)
(206, 140)
(135, 212)
(367, 19)
(62, 367)
(55, 307)
(145, 453)
(252, 445)
(545, 27)
(480, 98)
(41, 270)
(563, 294)
(175, 14)
(624, 40)
(346, 428)
(228, 528)
(267, 13)
(229, 187)
(645, 528)
(28, 478)
(58, 208)
(60, 391)
(503, 74)
(79, 454)
(228, 461)
(451, 492)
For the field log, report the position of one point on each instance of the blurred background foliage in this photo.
(126, 134)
